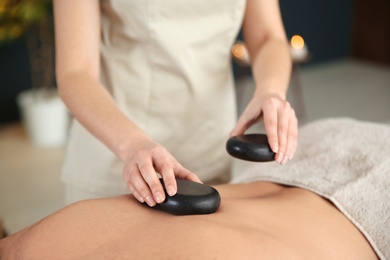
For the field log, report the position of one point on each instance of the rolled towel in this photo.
(347, 162)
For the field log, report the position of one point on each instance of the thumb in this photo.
(242, 125)
(246, 120)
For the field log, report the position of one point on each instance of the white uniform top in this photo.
(167, 64)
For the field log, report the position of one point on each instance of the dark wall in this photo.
(14, 77)
(326, 26)
(371, 32)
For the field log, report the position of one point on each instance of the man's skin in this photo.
(259, 220)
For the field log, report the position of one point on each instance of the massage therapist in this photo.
(150, 87)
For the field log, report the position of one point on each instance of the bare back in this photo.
(255, 221)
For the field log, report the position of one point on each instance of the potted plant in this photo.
(44, 114)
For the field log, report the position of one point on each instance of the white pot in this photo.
(45, 117)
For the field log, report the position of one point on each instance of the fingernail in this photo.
(150, 201)
(280, 158)
(275, 148)
(159, 198)
(277, 157)
(171, 191)
(284, 161)
(139, 198)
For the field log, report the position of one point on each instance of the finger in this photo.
(292, 136)
(288, 149)
(271, 128)
(242, 125)
(184, 173)
(135, 193)
(151, 178)
(283, 127)
(140, 187)
(165, 168)
(246, 120)
(170, 183)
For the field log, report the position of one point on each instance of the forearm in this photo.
(268, 48)
(271, 68)
(92, 105)
(77, 73)
(271, 62)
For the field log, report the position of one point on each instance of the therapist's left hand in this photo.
(280, 122)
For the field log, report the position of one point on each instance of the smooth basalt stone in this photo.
(192, 198)
(250, 147)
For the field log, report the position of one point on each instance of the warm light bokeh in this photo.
(239, 50)
(297, 42)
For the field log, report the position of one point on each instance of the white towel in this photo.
(346, 161)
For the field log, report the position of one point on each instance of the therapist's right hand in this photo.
(145, 161)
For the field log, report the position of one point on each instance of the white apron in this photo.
(167, 64)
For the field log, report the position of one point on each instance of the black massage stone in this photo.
(192, 198)
(250, 147)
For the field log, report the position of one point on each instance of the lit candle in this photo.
(298, 49)
(240, 53)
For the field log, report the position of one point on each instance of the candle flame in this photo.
(239, 50)
(297, 42)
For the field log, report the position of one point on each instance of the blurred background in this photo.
(341, 69)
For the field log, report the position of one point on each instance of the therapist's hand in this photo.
(146, 159)
(280, 122)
